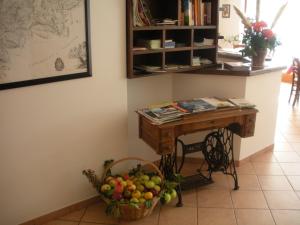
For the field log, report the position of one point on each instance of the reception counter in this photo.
(260, 86)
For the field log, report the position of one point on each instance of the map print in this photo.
(41, 38)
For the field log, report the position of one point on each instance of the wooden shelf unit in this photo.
(186, 35)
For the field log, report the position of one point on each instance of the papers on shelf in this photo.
(172, 111)
(242, 103)
(219, 103)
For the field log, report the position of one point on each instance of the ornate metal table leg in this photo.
(168, 166)
(218, 153)
(227, 139)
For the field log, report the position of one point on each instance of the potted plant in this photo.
(258, 38)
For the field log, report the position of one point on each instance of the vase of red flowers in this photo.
(258, 38)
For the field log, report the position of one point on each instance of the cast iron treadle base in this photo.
(194, 181)
(217, 149)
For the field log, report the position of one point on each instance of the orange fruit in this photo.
(148, 195)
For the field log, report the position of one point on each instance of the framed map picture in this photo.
(43, 41)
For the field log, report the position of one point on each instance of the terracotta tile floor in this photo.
(269, 193)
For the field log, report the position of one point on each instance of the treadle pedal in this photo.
(194, 181)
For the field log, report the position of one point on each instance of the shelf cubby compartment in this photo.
(200, 34)
(177, 60)
(147, 60)
(182, 37)
(206, 54)
(141, 37)
(161, 9)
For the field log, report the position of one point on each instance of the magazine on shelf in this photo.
(242, 103)
(196, 105)
(162, 114)
(219, 103)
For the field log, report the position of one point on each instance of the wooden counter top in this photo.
(220, 70)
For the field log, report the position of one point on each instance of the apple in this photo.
(157, 188)
(120, 179)
(131, 187)
(119, 188)
(140, 187)
(134, 200)
(127, 194)
(142, 200)
(129, 182)
(167, 197)
(156, 179)
(105, 188)
(108, 179)
(112, 183)
(148, 195)
(124, 183)
(136, 194)
(145, 178)
(173, 193)
(149, 184)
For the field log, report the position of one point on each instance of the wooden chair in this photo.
(295, 81)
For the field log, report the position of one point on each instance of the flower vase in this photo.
(259, 58)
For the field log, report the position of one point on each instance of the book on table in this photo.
(242, 103)
(218, 102)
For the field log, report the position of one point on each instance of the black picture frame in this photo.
(226, 11)
(50, 79)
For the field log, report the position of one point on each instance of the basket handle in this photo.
(131, 158)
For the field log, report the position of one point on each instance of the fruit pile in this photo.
(132, 195)
(139, 188)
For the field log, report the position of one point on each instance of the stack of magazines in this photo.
(164, 114)
(173, 111)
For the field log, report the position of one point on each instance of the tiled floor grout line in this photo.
(270, 210)
(83, 214)
(234, 209)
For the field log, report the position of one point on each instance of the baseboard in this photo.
(62, 212)
(248, 158)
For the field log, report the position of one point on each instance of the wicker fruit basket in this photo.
(130, 196)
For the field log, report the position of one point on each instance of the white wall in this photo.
(230, 26)
(141, 93)
(264, 92)
(49, 133)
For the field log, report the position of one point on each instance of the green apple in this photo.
(105, 188)
(145, 178)
(173, 193)
(157, 188)
(142, 200)
(149, 184)
(156, 179)
(134, 200)
(113, 183)
(124, 183)
(140, 187)
(167, 197)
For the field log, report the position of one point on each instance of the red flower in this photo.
(258, 26)
(268, 33)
